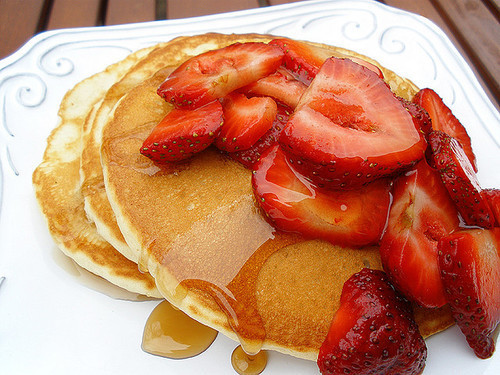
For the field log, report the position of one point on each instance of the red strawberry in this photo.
(419, 114)
(373, 331)
(345, 217)
(492, 196)
(280, 86)
(443, 119)
(470, 270)
(421, 213)
(349, 129)
(458, 176)
(245, 121)
(183, 132)
(216, 73)
(305, 59)
(250, 156)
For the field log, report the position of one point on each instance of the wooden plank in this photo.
(129, 11)
(190, 8)
(19, 21)
(70, 13)
(278, 2)
(494, 6)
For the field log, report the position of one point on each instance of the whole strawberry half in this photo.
(349, 129)
(281, 86)
(470, 270)
(373, 331)
(305, 59)
(444, 120)
(246, 120)
(421, 213)
(214, 74)
(253, 154)
(183, 133)
(459, 178)
(344, 217)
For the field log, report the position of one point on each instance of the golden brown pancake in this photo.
(57, 186)
(196, 228)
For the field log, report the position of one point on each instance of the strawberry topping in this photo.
(281, 86)
(444, 120)
(460, 180)
(250, 156)
(349, 129)
(344, 217)
(492, 196)
(373, 331)
(183, 133)
(216, 73)
(305, 59)
(245, 121)
(421, 213)
(470, 270)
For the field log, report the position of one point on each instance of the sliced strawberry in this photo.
(345, 217)
(373, 331)
(444, 120)
(349, 129)
(492, 196)
(183, 133)
(419, 114)
(216, 73)
(280, 85)
(458, 176)
(245, 121)
(305, 59)
(421, 213)
(470, 270)
(250, 156)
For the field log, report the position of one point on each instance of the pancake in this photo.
(57, 186)
(96, 203)
(196, 228)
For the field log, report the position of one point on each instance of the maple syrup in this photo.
(248, 364)
(171, 333)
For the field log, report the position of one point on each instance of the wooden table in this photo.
(472, 25)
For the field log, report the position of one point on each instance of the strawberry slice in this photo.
(470, 270)
(345, 217)
(183, 133)
(214, 74)
(458, 176)
(305, 59)
(444, 120)
(245, 121)
(419, 114)
(349, 129)
(492, 196)
(250, 156)
(421, 213)
(373, 331)
(281, 86)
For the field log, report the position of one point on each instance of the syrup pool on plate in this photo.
(171, 333)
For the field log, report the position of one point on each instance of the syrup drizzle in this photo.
(248, 364)
(171, 333)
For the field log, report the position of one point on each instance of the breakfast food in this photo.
(58, 190)
(246, 221)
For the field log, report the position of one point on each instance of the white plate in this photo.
(51, 322)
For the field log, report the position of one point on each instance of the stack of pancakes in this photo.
(189, 232)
